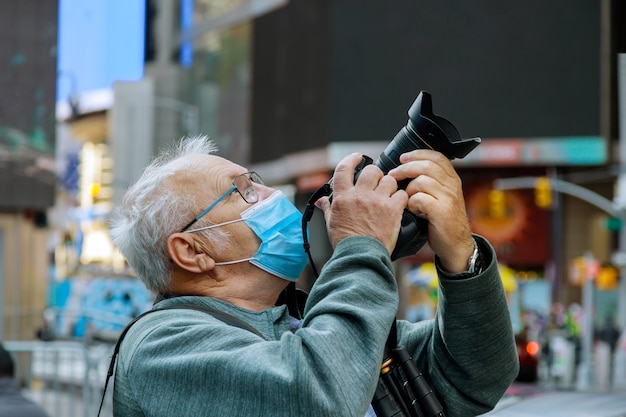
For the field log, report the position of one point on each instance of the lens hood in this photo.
(435, 131)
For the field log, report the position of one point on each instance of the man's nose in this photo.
(264, 191)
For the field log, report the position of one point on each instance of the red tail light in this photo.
(532, 348)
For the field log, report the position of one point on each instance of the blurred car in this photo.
(528, 353)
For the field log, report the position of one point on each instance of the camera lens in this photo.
(425, 130)
(405, 141)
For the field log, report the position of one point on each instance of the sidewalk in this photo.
(531, 401)
(68, 403)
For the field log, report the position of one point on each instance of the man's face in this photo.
(214, 179)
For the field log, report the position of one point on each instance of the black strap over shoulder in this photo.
(295, 300)
(220, 315)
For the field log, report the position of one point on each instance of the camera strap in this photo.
(323, 191)
(402, 389)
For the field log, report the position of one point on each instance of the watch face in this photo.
(478, 265)
(476, 261)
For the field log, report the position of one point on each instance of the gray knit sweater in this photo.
(188, 363)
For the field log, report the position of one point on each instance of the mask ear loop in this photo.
(212, 226)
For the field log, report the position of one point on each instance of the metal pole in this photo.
(189, 113)
(620, 199)
(585, 368)
(555, 274)
(562, 187)
(4, 297)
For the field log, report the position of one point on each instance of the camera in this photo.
(424, 130)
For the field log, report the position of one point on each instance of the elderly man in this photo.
(203, 231)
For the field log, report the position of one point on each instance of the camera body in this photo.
(424, 130)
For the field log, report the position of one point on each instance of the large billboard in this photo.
(28, 29)
(336, 71)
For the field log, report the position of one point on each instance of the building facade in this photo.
(27, 166)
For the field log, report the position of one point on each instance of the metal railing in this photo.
(65, 378)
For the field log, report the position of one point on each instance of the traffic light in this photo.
(543, 193)
(497, 204)
(613, 224)
(608, 278)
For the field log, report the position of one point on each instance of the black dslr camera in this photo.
(424, 130)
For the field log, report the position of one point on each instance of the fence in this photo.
(66, 378)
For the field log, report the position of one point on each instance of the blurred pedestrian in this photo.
(12, 401)
(609, 334)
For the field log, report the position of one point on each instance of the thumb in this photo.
(324, 204)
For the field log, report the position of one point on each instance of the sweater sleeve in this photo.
(468, 351)
(188, 364)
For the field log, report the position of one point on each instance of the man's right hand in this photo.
(371, 207)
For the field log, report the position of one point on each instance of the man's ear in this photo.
(187, 253)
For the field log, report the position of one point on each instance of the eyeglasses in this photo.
(244, 185)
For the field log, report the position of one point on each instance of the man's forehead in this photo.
(204, 162)
(223, 168)
(211, 166)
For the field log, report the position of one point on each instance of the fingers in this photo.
(423, 162)
(370, 177)
(435, 191)
(372, 206)
(343, 177)
(433, 181)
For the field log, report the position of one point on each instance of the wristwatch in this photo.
(474, 264)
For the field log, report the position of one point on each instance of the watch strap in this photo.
(472, 263)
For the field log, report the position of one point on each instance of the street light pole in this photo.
(620, 199)
(561, 186)
(585, 370)
(189, 113)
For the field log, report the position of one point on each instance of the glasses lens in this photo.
(256, 178)
(245, 187)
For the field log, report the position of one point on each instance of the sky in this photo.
(100, 41)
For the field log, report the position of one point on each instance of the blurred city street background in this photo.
(94, 89)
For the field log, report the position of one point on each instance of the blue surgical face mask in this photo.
(278, 223)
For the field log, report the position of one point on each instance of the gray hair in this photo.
(151, 210)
